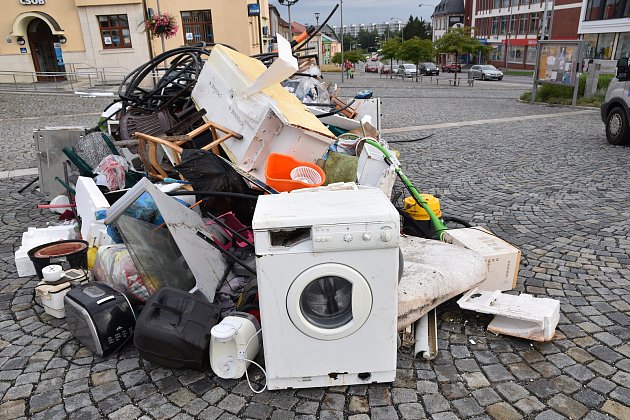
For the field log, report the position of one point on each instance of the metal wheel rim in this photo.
(614, 124)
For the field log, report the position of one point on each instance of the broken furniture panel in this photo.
(241, 94)
(523, 315)
(502, 258)
(171, 255)
(434, 272)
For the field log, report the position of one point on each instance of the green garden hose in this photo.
(437, 223)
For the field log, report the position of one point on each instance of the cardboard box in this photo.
(502, 258)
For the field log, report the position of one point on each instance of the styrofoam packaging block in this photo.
(521, 315)
(38, 236)
(89, 199)
(234, 90)
(502, 258)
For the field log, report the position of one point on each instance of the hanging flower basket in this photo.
(164, 24)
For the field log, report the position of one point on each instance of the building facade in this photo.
(512, 28)
(448, 14)
(383, 29)
(68, 35)
(605, 26)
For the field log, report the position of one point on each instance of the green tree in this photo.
(458, 41)
(389, 51)
(416, 50)
(353, 56)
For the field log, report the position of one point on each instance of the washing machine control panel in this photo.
(355, 236)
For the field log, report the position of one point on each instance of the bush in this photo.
(563, 95)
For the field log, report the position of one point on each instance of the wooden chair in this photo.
(148, 146)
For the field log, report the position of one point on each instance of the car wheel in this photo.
(483, 76)
(501, 78)
(617, 130)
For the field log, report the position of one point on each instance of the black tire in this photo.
(617, 130)
(483, 76)
(501, 78)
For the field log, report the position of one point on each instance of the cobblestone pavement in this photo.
(553, 187)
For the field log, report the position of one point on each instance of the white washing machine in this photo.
(327, 268)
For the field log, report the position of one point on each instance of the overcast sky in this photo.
(356, 11)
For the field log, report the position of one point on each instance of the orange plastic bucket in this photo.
(287, 174)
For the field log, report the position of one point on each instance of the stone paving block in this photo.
(232, 403)
(257, 411)
(411, 411)
(383, 413)
(379, 396)
(621, 394)
(621, 378)
(402, 395)
(589, 398)
(40, 402)
(283, 415)
(549, 415)
(468, 407)
(512, 391)
(617, 410)
(497, 373)
(568, 406)
(211, 413)
(18, 392)
(542, 388)
(434, 403)
(12, 409)
(445, 416)
(307, 407)
(503, 411)
(529, 405)
(214, 395)
(358, 404)
(126, 412)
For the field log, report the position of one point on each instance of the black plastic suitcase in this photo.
(173, 329)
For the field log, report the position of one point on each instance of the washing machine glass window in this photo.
(329, 301)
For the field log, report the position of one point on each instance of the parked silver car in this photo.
(407, 70)
(485, 72)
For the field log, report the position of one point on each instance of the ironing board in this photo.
(434, 272)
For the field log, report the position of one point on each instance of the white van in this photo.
(616, 107)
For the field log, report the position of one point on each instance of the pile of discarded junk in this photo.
(227, 201)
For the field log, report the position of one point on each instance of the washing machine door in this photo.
(329, 301)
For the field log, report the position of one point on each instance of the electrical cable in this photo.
(410, 140)
(319, 28)
(214, 194)
(260, 391)
(328, 114)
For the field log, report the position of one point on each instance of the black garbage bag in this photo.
(208, 172)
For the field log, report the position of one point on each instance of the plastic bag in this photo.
(310, 90)
(111, 172)
(114, 267)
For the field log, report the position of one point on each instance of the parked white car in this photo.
(485, 72)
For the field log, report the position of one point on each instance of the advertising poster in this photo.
(556, 63)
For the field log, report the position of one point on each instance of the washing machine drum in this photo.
(329, 301)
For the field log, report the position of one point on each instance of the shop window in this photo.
(530, 58)
(114, 31)
(623, 46)
(515, 54)
(197, 26)
(604, 46)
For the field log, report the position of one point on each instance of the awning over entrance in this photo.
(23, 19)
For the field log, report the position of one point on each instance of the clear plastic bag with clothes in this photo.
(111, 172)
(114, 267)
(311, 91)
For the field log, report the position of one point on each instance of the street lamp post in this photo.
(319, 37)
(289, 3)
(507, 49)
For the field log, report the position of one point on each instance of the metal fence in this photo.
(82, 78)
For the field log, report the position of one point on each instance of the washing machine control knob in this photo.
(386, 234)
(348, 237)
(366, 236)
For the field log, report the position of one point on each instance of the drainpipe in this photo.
(145, 13)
